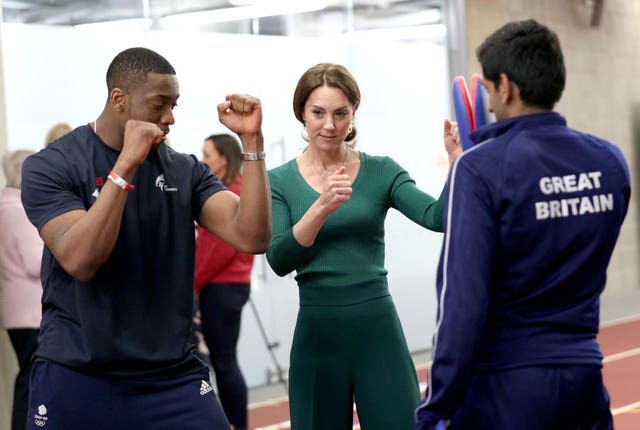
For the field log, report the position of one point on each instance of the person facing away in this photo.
(115, 207)
(533, 213)
(20, 287)
(223, 283)
(56, 131)
(329, 207)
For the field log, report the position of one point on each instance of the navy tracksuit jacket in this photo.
(533, 212)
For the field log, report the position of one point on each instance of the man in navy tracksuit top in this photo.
(115, 207)
(533, 213)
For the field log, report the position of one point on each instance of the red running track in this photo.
(620, 343)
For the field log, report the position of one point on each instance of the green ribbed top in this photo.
(349, 248)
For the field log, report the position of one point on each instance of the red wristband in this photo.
(116, 179)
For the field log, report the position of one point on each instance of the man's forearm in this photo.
(254, 211)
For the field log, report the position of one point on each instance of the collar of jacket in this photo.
(498, 128)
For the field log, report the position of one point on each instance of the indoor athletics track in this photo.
(620, 343)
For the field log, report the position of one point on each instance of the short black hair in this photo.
(130, 67)
(529, 54)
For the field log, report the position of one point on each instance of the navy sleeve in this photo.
(205, 184)
(49, 188)
(463, 287)
(623, 163)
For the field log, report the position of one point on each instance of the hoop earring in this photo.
(350, 129)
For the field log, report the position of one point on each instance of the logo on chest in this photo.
(162, 185)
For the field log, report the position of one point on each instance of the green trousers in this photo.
(349, 345)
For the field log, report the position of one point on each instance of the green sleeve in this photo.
(285, 253)
(417, 205)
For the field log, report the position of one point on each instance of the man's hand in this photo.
(139, 137)
(241, 113)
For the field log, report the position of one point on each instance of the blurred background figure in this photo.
(223, 283)
(20, 287)
(56, 131)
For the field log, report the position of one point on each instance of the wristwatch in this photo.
(253, 156)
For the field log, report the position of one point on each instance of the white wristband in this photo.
(116, 179)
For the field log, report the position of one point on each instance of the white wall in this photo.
(8, 362)
(58, 74)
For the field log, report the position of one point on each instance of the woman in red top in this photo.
(222, 279)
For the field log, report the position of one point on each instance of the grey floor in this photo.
(613, 307)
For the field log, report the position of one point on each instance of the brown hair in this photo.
(331, 75)
(229, 148)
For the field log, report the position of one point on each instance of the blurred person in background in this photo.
(20, 287)
(56, 131)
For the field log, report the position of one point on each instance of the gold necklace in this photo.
(321, 172)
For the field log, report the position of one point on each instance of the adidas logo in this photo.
(205, 388)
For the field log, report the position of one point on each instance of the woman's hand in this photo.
(336, 190)
(452, 141)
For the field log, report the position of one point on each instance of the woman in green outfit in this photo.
(329, 207)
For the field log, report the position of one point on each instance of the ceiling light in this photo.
(262, 2)
(119, 24)
(270, 8)
(417, 32)
(8, 4)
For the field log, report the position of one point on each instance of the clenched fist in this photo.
(241, 113)
(139, 138)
